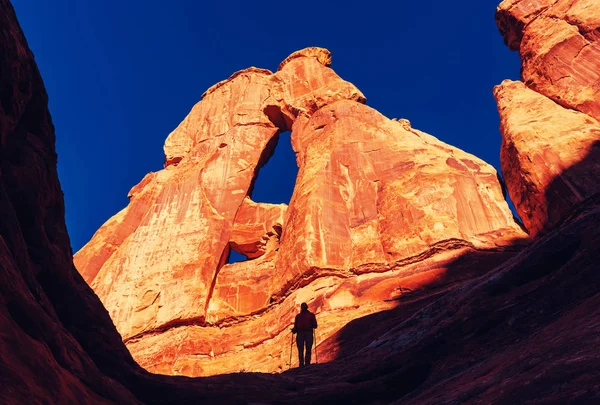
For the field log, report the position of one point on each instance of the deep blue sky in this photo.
(122, 74)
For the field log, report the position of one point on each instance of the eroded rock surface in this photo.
(257, 228)
(550, 124)
(374, 201)
(161, 268)
(509, 335)
(550, 155)
(512, 16)
(463, 325)
(559, 44)
(373, 193)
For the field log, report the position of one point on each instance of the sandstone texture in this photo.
(257, 228)
(525, 332)
(463, 324)
(549, 123)
(559, 44)
(512, 16)
(550, 155)
(164, 251)
(375, 200)
(57, 342)
(373, 194)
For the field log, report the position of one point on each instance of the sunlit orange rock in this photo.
(550, 155)
(446, 328)
(155, 263)
(257, 228)
(549, 124)
(260, 342)
(559, 43)
(378, 207)
(512, 16)
(373, 194)
(258, 97)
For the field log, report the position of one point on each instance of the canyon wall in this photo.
(57, 342)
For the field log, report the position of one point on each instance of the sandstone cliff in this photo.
(550, 123)
(378, 206)
(498, 328)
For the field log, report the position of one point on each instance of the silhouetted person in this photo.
(304, 325)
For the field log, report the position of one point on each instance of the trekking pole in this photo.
(316, 352)
(291, 349)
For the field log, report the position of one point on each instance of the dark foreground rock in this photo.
(524, 327)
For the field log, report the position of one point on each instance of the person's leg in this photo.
(300, 346)
(309, 343)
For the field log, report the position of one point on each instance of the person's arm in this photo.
(295, 328)
(314, 321)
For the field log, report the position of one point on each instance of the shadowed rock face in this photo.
(57, 343)
(525, 332)
(374, 201)
(470, 323)
(550, 123)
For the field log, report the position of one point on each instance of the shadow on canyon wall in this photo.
(472, 264)
(498, 327)
(573, 185)
(524, 329)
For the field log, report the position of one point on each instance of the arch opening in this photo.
(273, 185)
(276, 178)
(235, 257)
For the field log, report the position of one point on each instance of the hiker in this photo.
(304, 326)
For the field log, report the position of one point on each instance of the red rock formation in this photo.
(525, 332)
(512, 16)
(559, 43)
(545, 138)
(257, 228)
(373, 196)
(506, 336)
(543, 147)
(260, 341)
(57, 342)
(172, 240)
